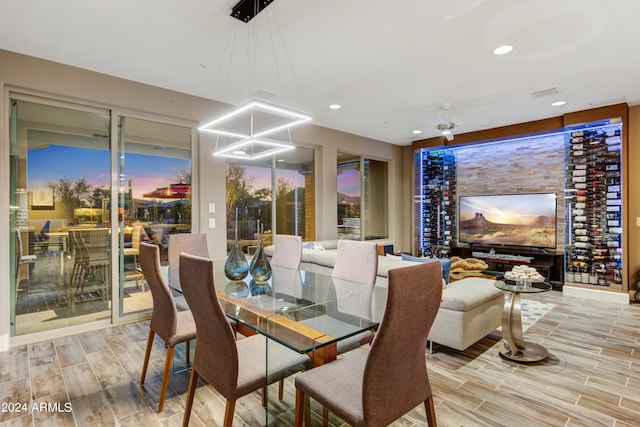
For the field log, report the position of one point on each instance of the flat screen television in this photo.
(527, 220)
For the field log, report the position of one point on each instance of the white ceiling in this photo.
(390, 64)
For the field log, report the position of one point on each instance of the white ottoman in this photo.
(471, 309)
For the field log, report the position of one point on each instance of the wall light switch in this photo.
(638, 221)
(212, 208)
(212, 223)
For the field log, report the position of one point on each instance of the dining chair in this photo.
(356, 261)
(91, 253)
(191, 243)
(374, 387)
(233, 368)
(287, 251)
(134, 251)
(173, 326)
(21, 260)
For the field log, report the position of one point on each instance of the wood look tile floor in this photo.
(591, 378)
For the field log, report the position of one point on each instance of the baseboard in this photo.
(595, 294)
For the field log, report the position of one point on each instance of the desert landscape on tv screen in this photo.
(511, 220)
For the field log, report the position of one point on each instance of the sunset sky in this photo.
(146, 172)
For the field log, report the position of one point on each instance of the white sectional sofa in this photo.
(471, 308)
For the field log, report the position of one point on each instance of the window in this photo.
(251, 187)
(362, 198)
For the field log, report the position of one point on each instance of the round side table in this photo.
(515, 347)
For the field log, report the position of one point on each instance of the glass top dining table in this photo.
(306, 311)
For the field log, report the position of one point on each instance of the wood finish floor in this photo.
(591, 378)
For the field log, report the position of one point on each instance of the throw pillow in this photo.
(309, 245)
(445, 263)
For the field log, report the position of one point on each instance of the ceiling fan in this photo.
(445, 126)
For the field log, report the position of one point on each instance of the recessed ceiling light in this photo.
(335, 106)
(416, 131)
(558, 103)
(502, 50)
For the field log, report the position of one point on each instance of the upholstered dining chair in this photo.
(191, 243)
(356, 261)
(233, 368)
(287, 251)
(173, 326)
(375, 387)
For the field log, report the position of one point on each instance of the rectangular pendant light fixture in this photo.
(244, 128)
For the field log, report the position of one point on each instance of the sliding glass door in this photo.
(154, 198)
(81, 201)
(60, 173)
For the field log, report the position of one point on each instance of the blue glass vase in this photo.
(260, 268)
(259, 288)
(236, 267)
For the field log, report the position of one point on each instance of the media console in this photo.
(549, 264)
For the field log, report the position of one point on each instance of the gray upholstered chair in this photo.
(173, 326)
(287, 251)
(375, 387)
(356, 261)
(191, 243)
(233, 368)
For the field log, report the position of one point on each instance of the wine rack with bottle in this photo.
(437, 202)
(594, 206)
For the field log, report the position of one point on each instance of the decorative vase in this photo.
(260, 268)
(237, 289)
(259, 288)
(236, 267)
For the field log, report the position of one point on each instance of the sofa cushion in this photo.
(387, 263)
(468, 293)
(327, 245)
(445, 263)
(325, 258)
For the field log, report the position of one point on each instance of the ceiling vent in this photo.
(546, 92)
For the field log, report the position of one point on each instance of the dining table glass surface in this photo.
(302, 310)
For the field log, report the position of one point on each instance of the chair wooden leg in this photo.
(431, 412)
(300, 402)
(147, 353)
(280, 389)
(229, 409)
(264, 397)
(193, 381)
(165, 377)
(187, 356)
(325, 417)
(307, 411)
